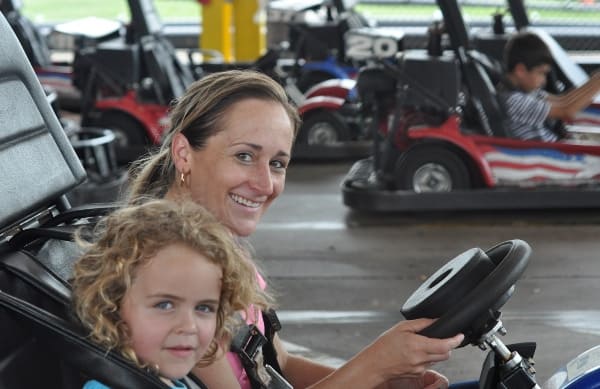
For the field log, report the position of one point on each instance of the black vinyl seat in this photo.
(160, 61)
(482, 102)
(40, 344)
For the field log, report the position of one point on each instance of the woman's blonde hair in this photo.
(199, 114)
(128, 239)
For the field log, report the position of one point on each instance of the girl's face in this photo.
(241, 169)
(171, 309)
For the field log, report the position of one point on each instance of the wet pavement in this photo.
(342, 276)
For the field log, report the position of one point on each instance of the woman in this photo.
(228, 148)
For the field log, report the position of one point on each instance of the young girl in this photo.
(160, 284)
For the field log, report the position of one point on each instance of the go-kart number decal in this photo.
(585, 362)
(364, 46)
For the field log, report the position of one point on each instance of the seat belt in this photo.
(258, 355)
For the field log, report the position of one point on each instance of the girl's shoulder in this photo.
(93, 384)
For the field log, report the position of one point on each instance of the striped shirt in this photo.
(526, 115)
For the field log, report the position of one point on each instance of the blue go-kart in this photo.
(466, 294)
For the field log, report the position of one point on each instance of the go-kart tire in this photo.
(131, 139)
(323, 128)
(431, 169)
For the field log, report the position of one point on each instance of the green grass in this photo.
(63, 10)
(426, 12)
(189, 10)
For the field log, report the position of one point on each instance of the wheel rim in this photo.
(432, 177)
(322, 133)
(121, 139)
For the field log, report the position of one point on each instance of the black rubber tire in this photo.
(453, 170)
(132, 139)
(323, 128)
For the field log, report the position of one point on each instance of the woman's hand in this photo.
(401, 352)
(430, 379)
(398, 358)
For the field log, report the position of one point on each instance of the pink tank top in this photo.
(234, 360)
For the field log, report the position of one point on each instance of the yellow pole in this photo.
(250, 24)
(216, 27)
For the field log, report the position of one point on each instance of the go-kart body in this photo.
(316, 37)
(466, 295)
(441, 142)
(335, 122)
(127, 84)
(52, 74)
(582, 372)
(37, 224)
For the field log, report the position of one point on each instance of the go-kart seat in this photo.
(39, 345)
(482, 103)
(38, 167)
(160, 62)
(161, 65)
(58, 339)
(375, 81)
(29, 36)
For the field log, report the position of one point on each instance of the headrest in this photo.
(37, 162)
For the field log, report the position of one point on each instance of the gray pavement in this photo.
(341, 277)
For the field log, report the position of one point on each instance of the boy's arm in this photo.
(567, 105)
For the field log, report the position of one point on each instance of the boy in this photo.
(530, 110)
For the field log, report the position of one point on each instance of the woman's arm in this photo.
(217, 375)
(299, 371)
(429, 380)
(398, 353)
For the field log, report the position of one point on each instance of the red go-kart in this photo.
(441, 144)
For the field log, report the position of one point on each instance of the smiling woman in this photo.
(228, 147)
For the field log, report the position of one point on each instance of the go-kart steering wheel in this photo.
(466, 292)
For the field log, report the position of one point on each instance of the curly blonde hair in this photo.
(127, 239)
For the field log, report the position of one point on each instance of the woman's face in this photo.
(241, 169)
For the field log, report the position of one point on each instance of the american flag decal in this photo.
(535, 166)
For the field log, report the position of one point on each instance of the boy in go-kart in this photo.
(532, 113)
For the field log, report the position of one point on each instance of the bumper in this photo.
(361, 192)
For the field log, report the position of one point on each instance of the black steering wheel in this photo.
(466, 292)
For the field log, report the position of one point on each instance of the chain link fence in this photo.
(574, 23)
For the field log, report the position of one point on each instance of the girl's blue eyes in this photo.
(164, 305)
(203, 308)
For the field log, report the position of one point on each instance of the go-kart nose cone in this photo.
(448, 285)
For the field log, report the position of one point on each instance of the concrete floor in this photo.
(341, 277)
